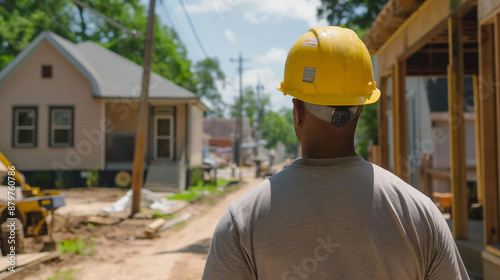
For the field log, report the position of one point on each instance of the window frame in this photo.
(52, 127)
(15, 126)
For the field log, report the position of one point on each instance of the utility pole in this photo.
(260, 100)
(258, 134)
(142, 129)
(239, 124)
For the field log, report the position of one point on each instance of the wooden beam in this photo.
(424, 175)
(496, 58)
(383, 142)
(456, 99)
(400, 138)
(477, 124)
(488, 130)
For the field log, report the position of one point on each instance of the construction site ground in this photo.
(120, 250)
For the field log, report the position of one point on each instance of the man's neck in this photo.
(321, 152)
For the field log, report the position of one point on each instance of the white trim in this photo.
(157, 137)
(33, 47)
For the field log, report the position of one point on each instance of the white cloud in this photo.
(257, 11)
(231, 37)
(274, 55)
(250, 78)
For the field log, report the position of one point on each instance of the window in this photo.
(46, 71)
(61, 126)
(120, 147)
(24, 127)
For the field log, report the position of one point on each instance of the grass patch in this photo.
(159, 214)
(201, 190)
(76, 247)
(64, 275)
(180, 226)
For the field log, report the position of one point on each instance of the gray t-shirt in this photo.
(339, 218)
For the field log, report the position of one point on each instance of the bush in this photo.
(62, 180)
(196, 177)
(93, 178)
(43, 179)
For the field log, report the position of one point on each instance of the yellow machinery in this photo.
(31, 205)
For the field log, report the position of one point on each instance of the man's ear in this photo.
(298, 116)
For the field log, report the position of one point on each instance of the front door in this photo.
(163, 138)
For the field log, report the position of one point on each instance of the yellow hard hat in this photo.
(330, 66)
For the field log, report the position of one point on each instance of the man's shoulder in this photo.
(256, 195)
(389, 183)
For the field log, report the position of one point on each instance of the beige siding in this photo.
(25, 87)
(196, 133)
(122, 115)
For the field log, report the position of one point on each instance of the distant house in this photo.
(69, 107)
(222, 137)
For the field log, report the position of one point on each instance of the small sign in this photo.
(309, 74)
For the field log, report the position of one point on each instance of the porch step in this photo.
(163, 176)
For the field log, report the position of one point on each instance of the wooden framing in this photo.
(425, 23)
(496, 57)
(477, 124)
(456, 100)
(383, 142)
(400, 137)
(489, 136)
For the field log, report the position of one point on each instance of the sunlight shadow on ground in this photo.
(200, 247)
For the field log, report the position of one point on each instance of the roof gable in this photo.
(65, 47)
(110, 75)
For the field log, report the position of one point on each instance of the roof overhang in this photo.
(388, 21)
(158, 101)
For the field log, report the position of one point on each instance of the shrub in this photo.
(43, 179)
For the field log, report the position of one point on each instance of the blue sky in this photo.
(262, 30)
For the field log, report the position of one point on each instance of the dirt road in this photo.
(178, 255)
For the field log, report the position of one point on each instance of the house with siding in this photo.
(69, 108)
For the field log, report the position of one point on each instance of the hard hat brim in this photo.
(339, 100)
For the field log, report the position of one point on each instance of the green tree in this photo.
(251, 105)
(207, 72)
(355, 14)
(22, 20)
(278, 127)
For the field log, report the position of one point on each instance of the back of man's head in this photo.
(329, 72)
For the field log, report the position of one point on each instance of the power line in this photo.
(193, 29)
(167, 15)
(132, 33)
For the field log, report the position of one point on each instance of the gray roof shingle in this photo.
(120, 77)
